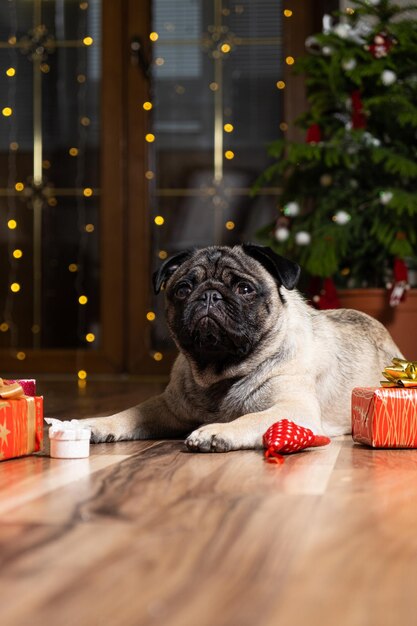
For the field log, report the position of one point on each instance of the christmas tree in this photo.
(348, 208)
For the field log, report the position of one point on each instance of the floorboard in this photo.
(147, 533)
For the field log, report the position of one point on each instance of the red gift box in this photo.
(21, 419)
(385, 417)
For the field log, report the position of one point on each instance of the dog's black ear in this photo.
(285, 271)
(160, 277)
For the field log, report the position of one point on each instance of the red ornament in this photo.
(287, 437)
(358, 116)
(399, 289)
(400, 271)
(381, 45)
(313, 134)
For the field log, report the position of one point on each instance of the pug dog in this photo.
(251, 352)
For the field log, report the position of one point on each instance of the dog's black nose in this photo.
(211, 297)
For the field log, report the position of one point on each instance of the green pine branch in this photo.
(395, 163)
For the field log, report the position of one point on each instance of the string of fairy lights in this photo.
(289, 61)
(14, 253)
(84, 227)
(37, 45)
(221, 44)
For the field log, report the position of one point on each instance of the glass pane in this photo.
(216, 107)
(50, 78)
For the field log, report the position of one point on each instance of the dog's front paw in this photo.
(103, 430)
(212, 438)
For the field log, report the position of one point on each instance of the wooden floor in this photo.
(147, 533)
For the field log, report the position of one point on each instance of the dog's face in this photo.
(221, 301)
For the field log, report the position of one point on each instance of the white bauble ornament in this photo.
(327, 51)
(282, 234)
(386, 196)
(291, 209)
(342, 30)
(349, 64)
(341, 218)
(388, 77)
(303, 238)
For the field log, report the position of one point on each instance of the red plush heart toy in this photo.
(285, 436)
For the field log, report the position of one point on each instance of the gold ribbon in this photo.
(10, 390)
(14, 391)
(400, 373)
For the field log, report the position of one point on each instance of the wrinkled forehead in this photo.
(219, 264)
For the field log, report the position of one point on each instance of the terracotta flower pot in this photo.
(401, 321)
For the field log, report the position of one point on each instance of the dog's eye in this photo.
(243, 288)
(183, 290)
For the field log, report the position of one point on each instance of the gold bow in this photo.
(10, 390)
(401, 373)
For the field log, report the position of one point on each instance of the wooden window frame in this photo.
(125, 242)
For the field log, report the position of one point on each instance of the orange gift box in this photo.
(21, 421)
(385, 417)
